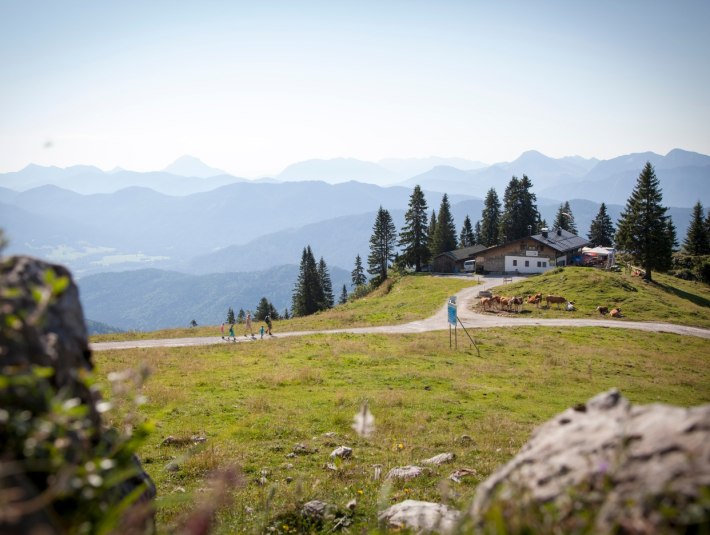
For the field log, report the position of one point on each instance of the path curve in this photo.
(439, 321)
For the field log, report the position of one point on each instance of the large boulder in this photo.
(55, 467)
(606, 465)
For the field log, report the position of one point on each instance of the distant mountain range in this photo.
(192, 227)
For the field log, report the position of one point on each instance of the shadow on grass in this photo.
(698, 300)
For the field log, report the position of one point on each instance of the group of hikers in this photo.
(248, 328)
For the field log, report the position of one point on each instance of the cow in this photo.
(505, 302)
(603, 310)
(557, 299)
(517, 303)
(535, 300)
(615, 313)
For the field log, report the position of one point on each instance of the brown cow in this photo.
(505, 302)
(485, 302)
(615, 313)
(517, 303)
(603, 310)
(535, 300)
(558, 299)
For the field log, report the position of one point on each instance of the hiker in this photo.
(267, 320)
(247, 325)
(231, 332)
(222, 330)
(261, 331)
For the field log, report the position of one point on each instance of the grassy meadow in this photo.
(667, 299)
(275, 409)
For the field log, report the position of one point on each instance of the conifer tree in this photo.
(565, 218)
(477, 234)
(490, 219)
(230, 315)
(286, 315)
(643, 230)
(326, 284)
(358, 274)
(431, 232)
(263, 309)
(601, 231)
(382, 244)
(467, 237)
(308, 293)
(343, 296)
(697, 241)
(445, 232)
(414, 235)
(519, 210)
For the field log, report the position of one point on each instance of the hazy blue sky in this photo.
(253, 86)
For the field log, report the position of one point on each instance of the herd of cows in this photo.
(496, 303)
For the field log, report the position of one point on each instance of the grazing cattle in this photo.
(517, 303)
(535, 300)
(505, 302)
(615, 313)
(603, 310)
(557, 299)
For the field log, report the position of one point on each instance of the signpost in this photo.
(452, 318)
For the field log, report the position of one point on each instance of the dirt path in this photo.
(439, 321)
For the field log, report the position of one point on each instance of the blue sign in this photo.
(452, 313)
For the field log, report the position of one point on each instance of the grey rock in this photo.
(440, 459)
(343, 452)
(405, 472)
(421, 517)
(621, 460)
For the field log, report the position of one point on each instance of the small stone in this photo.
(172, 467)
(440, 459)
(351, 505)
(316, 509)
(197, 439)
(405, 472)
(331, 466)
(420, 517)
(457, 475)
(342, 451)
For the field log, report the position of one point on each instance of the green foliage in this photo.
(467, 237)
(565, 219)
(308, 296)
(697, 240)
(413, 238)
(241, 316)
(445, 229)
(343, 296)
(691, 268)
(382, 245)
(601, 231)
(643, 230)
(326, 284)
(230, 315)
(519, 210)
(490, 219)
(358, 273)
(265, 308)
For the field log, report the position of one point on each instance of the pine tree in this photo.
(326, 284)
(445, 232)
(414, 237)
(358, 274)
(643, 230)
(490, 219)
(697, 241)
(520, 215)
(263, 309)
(601, 231)
(230, 315)
(308, 293)
(431, 232)
(565, 218)
(467, 237)
(286, 315)
(477, 240)
(382, 243)
(343, 296)
(241, 315)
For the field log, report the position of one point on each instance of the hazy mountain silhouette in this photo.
(338, 170)
(190, 166)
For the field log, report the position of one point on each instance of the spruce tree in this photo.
(230, 315)
(467, 237)
(286, 315)
(431, 232)
(519, 210)
(697, 241)
(262, 309)
(445, 232)
(414, 237)
(477, 234)
(643, 230)
(565, 218)
(326, 284)
(382, 244)
(343, 296)
(490, 219)
(308, 293)
(358, 274)
(601, 231)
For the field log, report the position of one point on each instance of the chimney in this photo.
(544, 232)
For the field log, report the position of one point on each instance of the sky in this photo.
(251, 87)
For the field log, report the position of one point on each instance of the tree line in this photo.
(644, 231)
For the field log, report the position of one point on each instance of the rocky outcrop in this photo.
(45, 357)
(420, 517)
(637, 469)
